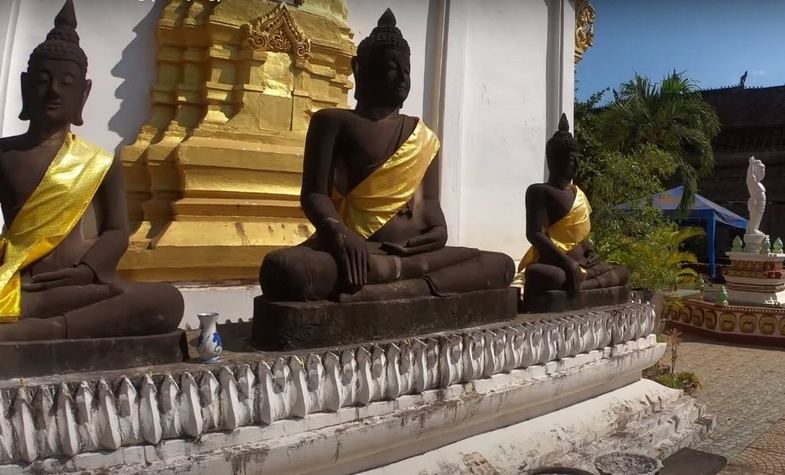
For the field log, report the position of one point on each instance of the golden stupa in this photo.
(214, 176)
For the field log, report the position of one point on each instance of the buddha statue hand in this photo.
(432, 240)
(81, 274)
(349, 250)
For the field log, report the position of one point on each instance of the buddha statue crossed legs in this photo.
(63, 201)
(370, 187)
(562, 259)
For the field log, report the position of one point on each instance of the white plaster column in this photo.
(9, 12)
(453, 114)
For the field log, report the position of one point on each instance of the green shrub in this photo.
(684, 380)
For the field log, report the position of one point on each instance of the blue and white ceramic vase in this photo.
(209, 343)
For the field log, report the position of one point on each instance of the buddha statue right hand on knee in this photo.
(349, 250)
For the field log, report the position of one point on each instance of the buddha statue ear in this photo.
(25, 114)
(359, 85)
(77, 120)
(355, 67)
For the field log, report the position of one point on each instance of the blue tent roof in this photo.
(702, 207)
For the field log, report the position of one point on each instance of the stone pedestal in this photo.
(752, 242)
(298, 325)
(46, 358)
(755, 279)
(558, 301)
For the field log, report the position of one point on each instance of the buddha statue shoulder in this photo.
(370, 188)
(561, 257)
(63, 201)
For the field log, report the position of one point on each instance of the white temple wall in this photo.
(119, 39)
(506, 74)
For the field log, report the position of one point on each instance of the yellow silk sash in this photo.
(49, 215)
(567, 232)
(372, 203)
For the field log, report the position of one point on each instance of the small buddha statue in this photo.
(63, 201)
(561, 257)
(370, 188)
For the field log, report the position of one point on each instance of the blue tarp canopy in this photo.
(703, 210)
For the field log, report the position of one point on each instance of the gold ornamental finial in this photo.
(584, 27)
(277, 31)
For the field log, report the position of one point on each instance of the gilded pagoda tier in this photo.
(214, 175)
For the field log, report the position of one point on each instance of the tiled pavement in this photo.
(744, 387)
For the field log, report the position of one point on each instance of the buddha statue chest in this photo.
(20, 174)
(73, 248)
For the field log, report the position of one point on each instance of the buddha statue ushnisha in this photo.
(370, 188)
(63, 201)
(562, 258)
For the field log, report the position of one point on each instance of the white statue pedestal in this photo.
(752, 242)
(755, 279)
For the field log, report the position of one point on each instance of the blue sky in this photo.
(714, 41)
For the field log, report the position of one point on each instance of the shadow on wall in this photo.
(137, 69)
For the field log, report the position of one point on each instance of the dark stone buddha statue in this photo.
(562, 269)
(370, 187)
(63, 201)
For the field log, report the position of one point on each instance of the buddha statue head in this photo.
(55, 87)
(381, 67)
(562, 152)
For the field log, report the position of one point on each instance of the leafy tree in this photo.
(670, 116)
(620, 175)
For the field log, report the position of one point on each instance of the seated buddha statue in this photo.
(561, 257)
(63, 201)
(370, 188)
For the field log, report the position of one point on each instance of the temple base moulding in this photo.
(736, 323)
(363, 407)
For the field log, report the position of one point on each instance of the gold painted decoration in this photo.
(727, 322)
(49, 215)
(747, 323)
(710, 322)
(277, 32)
(214, 175)
(767, 324)
(584, 27)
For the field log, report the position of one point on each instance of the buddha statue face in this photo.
(54, 88)
(384, 79)
(382, 68)
(562, 152)
(54, 92)
(564, 164)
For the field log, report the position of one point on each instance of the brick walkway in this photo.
(744, 387)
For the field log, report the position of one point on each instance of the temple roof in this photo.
(739, 106)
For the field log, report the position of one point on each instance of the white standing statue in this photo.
(757, 202)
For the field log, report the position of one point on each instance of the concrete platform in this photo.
(42, 358)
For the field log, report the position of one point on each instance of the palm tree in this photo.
(671, 116)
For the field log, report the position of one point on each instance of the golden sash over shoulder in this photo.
(372, 203)
(567, 232)
(49, 215)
